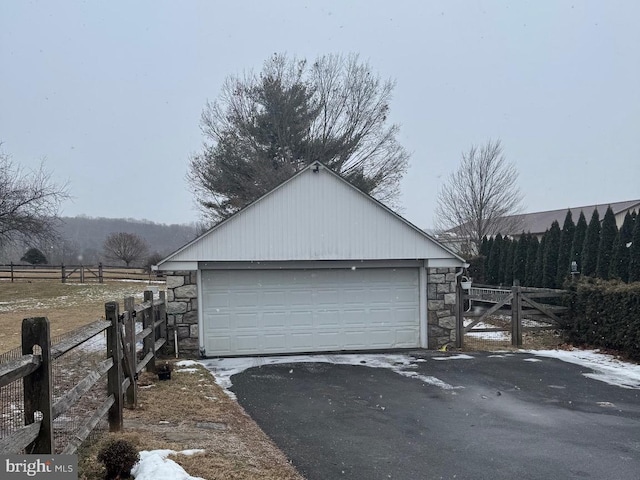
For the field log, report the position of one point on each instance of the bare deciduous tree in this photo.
(29, 203)
(127, 247)
(480, 198)
(264, 128)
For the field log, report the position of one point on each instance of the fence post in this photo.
(516, 314)
(114, 378)
(11, 272)
(64, 276)
(148, 320)
(100, 277)
(37, 385)
(81, 273)
(130, 341)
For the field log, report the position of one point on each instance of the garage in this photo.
(314, 265)
(249, 312)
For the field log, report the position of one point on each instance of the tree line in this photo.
(599, 249)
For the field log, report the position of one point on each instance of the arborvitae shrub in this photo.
(118, 457)
(605, 248)
(605, 314)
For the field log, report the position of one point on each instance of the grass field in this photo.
(66, 305)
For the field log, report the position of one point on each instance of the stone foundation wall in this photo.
(182, 312)
(182, 309)
(441, 307)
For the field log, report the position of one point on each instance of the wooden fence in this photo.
(518, 302)
(76, 273)
(121, 366)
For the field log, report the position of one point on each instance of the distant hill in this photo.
(82, 237)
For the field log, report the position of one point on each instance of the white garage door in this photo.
(282, 311)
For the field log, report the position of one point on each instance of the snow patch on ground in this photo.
(532, 360)
(461, 356)
(224, 368)
(187, 370)
(498, 336)
(606, 368)
(186, 363)
(154, 465)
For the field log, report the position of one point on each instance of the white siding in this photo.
(314, 216)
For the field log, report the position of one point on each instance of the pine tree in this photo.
(619, 267)
(34, 257)
(537, 269)
(605, 247)
(550, 256)
(507, 264)
(485, 247)
(493, 274)
(533, 244)
(489, 247)
(590, 247)
(578, 241)
(634, 253)
(520, 258)
(564, 252)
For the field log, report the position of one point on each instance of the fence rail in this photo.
(517, 302)
(121, 366)
(74, 273)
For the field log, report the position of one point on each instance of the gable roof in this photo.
(539, 222)
(314, 215)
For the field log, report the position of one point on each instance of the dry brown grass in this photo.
(191, 411)
(66, 305)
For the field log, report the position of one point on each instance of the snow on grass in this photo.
(186, 363)
(224, 368)
(498, 336)
(187, 370)
(154, 465)
(605, 368)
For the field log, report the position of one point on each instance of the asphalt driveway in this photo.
(487, 417)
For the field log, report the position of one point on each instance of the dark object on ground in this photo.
(118, 457)
(164, 371)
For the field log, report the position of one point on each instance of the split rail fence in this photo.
(127, 353)
(481, 302)
(74, 273)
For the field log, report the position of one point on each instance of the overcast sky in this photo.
(110, 93)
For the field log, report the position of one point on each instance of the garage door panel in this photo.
(275, 320)
(246, 321)
(301, 318)
(297, 297)
(220, 300)
(218, 322)
(279, 311)
(326, 297)
(406, 337)
(327, 319)
(274, 342)
(328, 340)
(301, 341)
(354, 296)
(404, 295)
(274, 298)
(244, 299)
(247, 343)
(354, 317)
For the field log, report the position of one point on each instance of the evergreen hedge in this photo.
(606, 314)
